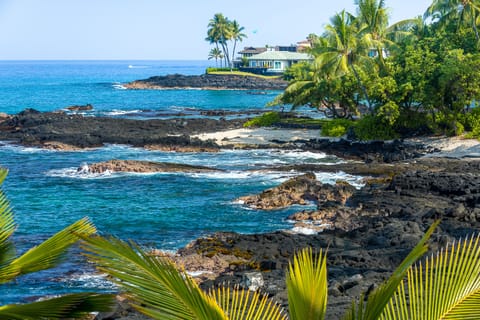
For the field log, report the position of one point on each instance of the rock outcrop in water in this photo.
(209, 81)
(299, 190)
(138, 166)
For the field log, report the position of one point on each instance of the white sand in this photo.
(451, 147)
(259, 136)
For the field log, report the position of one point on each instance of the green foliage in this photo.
(43, 256)
(371, 127)
(265, 120)
(471, 122)
(430, 72)
(336, 127)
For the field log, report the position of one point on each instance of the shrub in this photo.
(450, 124)
(471, 122)
(373, 128)
(265, 120)
(412, 123)
(336, 127)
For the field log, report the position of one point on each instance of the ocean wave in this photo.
(244, 175)
(118, 86)
(23, 149)
(131, 66)
(332, 178)
(117, 112)
(97, 281)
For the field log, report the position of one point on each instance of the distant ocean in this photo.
(164, 211)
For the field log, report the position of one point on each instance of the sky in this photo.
(160, 29)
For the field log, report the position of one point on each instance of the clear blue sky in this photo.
(160, 29)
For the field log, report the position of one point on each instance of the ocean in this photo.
(164, 211)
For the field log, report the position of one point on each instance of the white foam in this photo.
(198, 273)
(130, 66)
(304, 230)
(243, 175)
(119, 86)
(91, 280)
(78, 173)
(22, 149)
(116, 112)
(331, 178)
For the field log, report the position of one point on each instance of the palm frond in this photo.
(7, 227)
(379, 298)
(68, 306)
(247, 305)
(154, 284)
(307, 286)
(448, 287)
(50, 252)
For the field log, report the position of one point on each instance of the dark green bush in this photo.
(373, 128)
(336, 127)
(265, 120)
(471, 122)
(413, 123)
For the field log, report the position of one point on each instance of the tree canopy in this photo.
(220, 32)
(416, 75)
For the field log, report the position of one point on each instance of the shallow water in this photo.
(164, 211)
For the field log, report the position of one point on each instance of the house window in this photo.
(278, 65)
(253, 63)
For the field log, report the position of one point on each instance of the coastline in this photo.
(408, 185)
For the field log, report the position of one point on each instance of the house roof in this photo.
(281, 55)
(252, 50)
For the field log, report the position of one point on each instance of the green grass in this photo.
(245, 74)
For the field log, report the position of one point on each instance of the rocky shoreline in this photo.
(367, 231)
(209, 82)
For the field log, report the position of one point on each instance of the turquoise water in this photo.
(164, 211)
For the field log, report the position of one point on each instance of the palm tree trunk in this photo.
(233, 54)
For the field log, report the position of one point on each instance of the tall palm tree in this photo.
(236, 35)
(460, 12)
(44, 256)
(342, 50)
(372, 15)
(159, 290)
(216, 54)
(219, 32)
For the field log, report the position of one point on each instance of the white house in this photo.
(276, 61)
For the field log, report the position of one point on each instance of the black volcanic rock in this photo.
(209, 81)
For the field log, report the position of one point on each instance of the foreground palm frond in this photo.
(46, 255)
(50, 252)
(241, 304)
(380, 297)
(154, 282)
(447, 287)
(307, 286)
(68, 306)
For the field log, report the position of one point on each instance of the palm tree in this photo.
(159, 290)
(44, 256)
(219, 33)
(341, 50)
(372, 15)
(237, 35)
(216, 54)
(464, 12)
